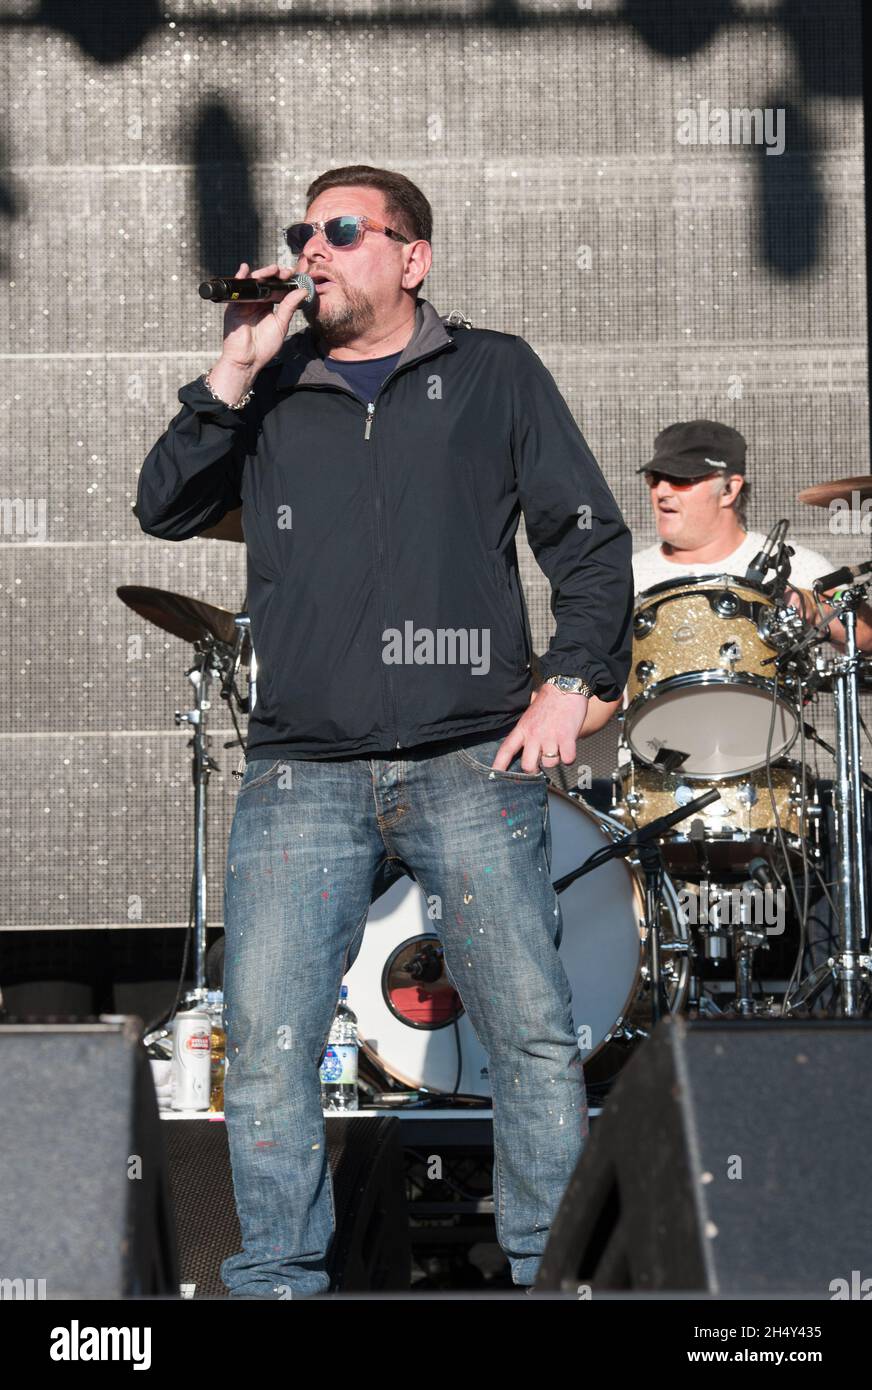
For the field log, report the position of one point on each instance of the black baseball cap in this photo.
(696, 448)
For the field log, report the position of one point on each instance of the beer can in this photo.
(192, 1061)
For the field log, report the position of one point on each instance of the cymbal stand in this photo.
(849, 968)
(747, 938)
(849, 812)
(211, 663)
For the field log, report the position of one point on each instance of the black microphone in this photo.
(760, 565)
(846, 575)
(226, 288)
(760, 872)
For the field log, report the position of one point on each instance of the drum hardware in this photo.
(201, 676)
(228, 689)
(642, 844)
(747, 941)
(742, 930)
(631, 1033)
(846, 969)
(221, 642)
(730, 653)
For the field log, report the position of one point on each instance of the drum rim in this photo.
(692, 580)
(778, 764)
(707, 675)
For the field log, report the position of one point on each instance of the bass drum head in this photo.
(721, 729)
(413, 1030)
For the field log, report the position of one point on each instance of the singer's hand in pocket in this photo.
(255, 330)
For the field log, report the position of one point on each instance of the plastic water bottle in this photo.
(339, 1063)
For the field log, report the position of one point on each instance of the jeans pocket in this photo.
(259, 771)
(480, 756)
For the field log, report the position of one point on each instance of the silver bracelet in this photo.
(213, 393)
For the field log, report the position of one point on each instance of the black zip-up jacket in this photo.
(383, 588)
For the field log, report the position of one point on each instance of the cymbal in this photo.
(229, 528)
(841, 489)
(188, 618)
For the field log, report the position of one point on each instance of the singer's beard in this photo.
(340, 325)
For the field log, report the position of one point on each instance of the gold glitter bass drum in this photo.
(705, 698)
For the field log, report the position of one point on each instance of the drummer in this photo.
(700, 495)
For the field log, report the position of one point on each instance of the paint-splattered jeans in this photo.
(307, 842)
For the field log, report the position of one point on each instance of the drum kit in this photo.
(704, 865)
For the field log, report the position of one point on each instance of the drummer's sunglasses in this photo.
(652, 479)
(341, 232)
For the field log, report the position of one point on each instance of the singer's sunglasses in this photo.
(342, 232)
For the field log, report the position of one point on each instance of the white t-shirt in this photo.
(651, 566)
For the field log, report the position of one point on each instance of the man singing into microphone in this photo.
(383, 457)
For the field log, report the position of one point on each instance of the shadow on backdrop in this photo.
(791, 199)
(106, 32)
(228, 223)
(677, 28)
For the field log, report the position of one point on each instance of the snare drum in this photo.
(702, 685)
(726, 835)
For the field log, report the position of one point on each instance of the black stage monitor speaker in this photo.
(731, 1158)
(371, 1248)
(84, 1195)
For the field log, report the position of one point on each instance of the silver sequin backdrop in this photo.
(581, 200)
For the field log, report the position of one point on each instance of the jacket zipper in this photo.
(370, 416)
(370, 409)
(380, 546)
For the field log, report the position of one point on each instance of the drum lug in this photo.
(627, 1032)
(746, 794)
(730, 653)
(644, 671)
(726, 605)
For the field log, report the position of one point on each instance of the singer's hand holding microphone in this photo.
(254, 330)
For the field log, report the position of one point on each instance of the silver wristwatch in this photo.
(573, 684)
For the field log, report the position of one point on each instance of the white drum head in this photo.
(722, 729)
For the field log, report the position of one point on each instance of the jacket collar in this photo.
(302, 364)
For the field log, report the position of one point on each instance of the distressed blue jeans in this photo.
(308, 841)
